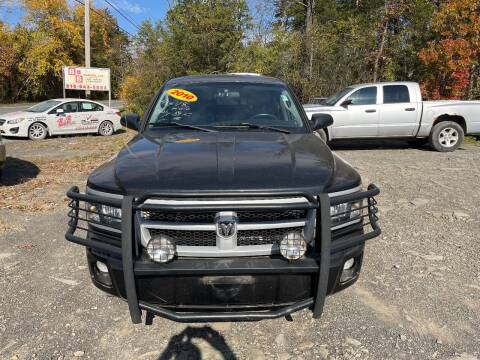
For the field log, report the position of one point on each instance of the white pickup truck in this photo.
(396, 110)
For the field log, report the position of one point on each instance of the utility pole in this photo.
(87, 40)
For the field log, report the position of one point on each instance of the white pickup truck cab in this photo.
(396, 110)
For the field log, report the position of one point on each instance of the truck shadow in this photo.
(181, 346)
(377, 145)
(17, 171)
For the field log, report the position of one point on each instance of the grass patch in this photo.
(472, 140)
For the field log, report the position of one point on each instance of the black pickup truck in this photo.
(225, 207)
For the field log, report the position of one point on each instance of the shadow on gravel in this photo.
(378, 145)
(181, 346)
(17, 171)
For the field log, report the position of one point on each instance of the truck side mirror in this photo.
(131, 121)
(321, 121)
(346, 103)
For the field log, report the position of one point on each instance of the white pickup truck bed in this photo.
(396, 110)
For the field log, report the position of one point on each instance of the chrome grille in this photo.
(263, 237)
(209, 216)
(188, 238)
(194, 230)
(208, 238)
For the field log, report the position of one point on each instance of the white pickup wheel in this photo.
(105, 128)
(37, 131)
(446, 136)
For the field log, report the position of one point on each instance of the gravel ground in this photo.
(418, 296)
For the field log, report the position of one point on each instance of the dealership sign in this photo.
(81, 78)
(86, 79)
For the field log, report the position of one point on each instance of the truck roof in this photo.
(383, 83)
(239, 77)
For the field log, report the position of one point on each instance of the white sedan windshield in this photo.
(43, 106)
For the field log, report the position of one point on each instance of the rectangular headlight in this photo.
(105, 215)
(346, 213)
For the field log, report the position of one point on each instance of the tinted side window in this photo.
(69, 107)
(365, 96)
(88, 106)
(395, 94)
(66, 107)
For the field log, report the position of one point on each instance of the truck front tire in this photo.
(446, 136)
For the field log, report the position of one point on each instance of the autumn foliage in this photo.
(317, 46)
(50, 36)
(451, 59)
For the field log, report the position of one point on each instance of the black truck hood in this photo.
(195, 162)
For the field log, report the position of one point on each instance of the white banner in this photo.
(82, 78)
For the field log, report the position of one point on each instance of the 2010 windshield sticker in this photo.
(182, 95)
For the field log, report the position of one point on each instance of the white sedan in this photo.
(61, 117)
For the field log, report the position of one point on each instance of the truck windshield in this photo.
(332, 100)
(226, 105)
(43, 106)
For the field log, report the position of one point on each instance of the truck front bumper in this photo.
(189, 290)
(223, 289)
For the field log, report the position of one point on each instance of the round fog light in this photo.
(293, 246)
(350, 270)
(161, 249)
(102, 267)
(348, 264)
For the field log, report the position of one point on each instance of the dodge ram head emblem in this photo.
(226, 224)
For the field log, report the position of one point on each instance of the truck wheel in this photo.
(105, 128)
(322, 135)
(446, 136)
(37, 131)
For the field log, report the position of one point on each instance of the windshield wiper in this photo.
(185, 126)
(254, 126)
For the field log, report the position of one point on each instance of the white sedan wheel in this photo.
(105, 128)
(37, 131)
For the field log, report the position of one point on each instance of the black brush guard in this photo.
(128, 250)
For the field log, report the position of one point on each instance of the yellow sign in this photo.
(183, 95)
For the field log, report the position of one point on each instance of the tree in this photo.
(148, 70)
(49, 37)
(49, 40)
(8, 59)
(109, 45)
(451, 59)
(197, 37)
(204, 35)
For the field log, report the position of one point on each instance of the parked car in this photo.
(396, 110)
(3, 155)
(61, 117)
(225, 206)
